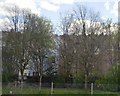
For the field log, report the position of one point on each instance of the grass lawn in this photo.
(46, 91)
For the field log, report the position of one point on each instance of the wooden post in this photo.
(91, 88)
(21, 85)
(51, 88)
(11, 92)
(15, 83)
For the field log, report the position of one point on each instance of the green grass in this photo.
(6, 90)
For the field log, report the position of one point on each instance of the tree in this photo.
(111, 80)
(16, 40)
(17, 49)
(84, 44)
(7, 62)
(17, 18)
(30, 38)
(41, 42)
(118, 55)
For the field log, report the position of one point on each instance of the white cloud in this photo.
(31, 4)
(107, 5)
(1, 22)
(2, 12)
(54, 5)
(115, 8)
(49, 6)
(66, 1)
(4, 23)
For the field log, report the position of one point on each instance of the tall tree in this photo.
(88, 44)
(41, 42)
(16, 37)
(30, 38)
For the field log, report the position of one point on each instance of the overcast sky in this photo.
(52, 8)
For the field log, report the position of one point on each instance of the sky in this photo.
(51, 9)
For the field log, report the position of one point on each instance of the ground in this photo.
(62, 91)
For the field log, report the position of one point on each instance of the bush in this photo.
(110, 82)
(9, 77)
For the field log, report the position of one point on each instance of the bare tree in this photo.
(16, 39)
(88, 44)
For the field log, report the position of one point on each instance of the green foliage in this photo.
(9, 77)
(110, 81)
(60, 80)
(80, 78)
(33, 42)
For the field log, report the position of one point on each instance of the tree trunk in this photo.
(40, 82)
(22, 79)
(86, 81)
